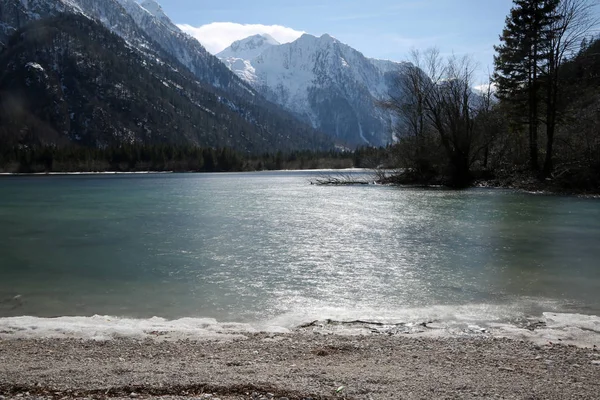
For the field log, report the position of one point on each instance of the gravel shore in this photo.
(298, 366)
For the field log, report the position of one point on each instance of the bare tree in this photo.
(451, 105)
(408, 101)
(489, 124)
(436, 97)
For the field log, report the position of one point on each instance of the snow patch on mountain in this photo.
(153, 8)
(248, 48)
(156, 11)
(35, 65)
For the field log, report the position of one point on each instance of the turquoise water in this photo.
(269, 246)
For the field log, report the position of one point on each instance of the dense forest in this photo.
(537, 125)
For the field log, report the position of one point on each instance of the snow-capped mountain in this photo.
(331, 85)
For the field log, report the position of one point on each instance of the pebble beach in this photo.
(297, 365)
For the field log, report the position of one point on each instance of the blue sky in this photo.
(378, 28)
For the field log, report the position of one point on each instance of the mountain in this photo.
(200, 99)
(67, 79)
(325, 82)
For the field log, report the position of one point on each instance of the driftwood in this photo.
(360, 322)
(340, 178)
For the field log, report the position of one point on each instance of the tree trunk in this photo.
(550, 129)
(533, 141)
(532, 116)
(551, 109)
(460, 171)
(548, 165)
(533, 132)
(486, 153)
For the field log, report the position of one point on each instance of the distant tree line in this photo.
(537, 120)
(162, 157)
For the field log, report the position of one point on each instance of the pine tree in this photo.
(519, 60)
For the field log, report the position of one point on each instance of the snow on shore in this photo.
(552, 328)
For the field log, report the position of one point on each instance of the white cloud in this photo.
(216, 36)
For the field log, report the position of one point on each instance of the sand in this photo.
(298, 365)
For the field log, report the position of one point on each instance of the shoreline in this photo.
(529, 187)
(262, 366)
(554, 357)
(53, 173)
(573, 329)
(84, 173)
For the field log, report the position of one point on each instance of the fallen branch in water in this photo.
(341, 179)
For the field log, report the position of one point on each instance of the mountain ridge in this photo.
(324, 81)
(249, 47)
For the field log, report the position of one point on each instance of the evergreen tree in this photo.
(525, 49)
